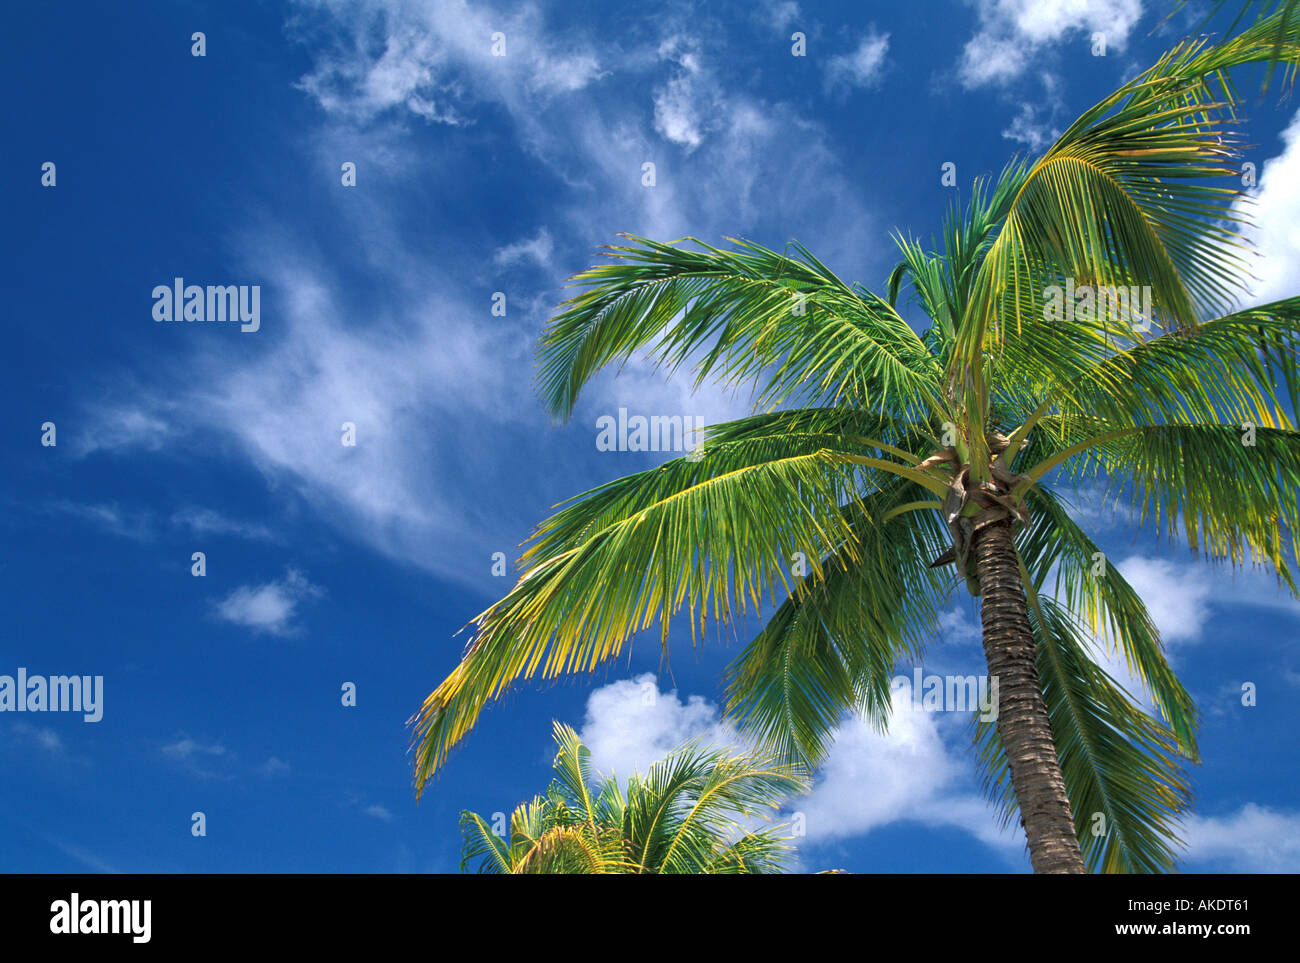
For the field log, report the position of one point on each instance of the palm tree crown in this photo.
(693, 812)
(882, 456)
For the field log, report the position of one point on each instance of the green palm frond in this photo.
(1237, 369)
(1059, 554)
(715, 537)
(1118, 200)
(832, 647)
(695, 811)
(1287, 12)
(482, 844)
(752, 313)
(1228, 490)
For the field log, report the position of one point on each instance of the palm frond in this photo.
(787, 323)
(831, 648)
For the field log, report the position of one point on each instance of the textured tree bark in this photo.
(1022, 719)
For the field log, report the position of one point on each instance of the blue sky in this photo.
(328, 564)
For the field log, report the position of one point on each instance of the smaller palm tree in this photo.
(694, 812)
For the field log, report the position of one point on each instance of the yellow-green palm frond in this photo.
(1119, 200)
(699, 810)
(714, 536)
(1238, 369)
(1064, 563)
(786, 323)
(832, 646)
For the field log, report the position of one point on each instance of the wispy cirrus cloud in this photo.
(423, 370)
(860, 68)
(146, 524)
(1254, 839)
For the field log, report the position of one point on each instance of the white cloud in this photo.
(1181, 597)
(1276, 212)
(205, 521)
(438, 388)
(630, 725)
(111, 518)
(1012, 33)
(957, 627)
(187, 748)
(144, 424)
(537, 248)
(779, 14)
(860, 68)
(868, 780)
(1031, 129)
(437, 59)
(203, 760)
(41, 737)
(274, 766)
(1255, 839)
(1177, 596)
(379, 812)
(269, 607)
(691, 104)
(143, 525)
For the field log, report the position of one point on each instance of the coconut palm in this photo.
(693, 812)
(879, 456)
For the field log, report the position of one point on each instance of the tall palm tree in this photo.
(692, 812)
(881, 456)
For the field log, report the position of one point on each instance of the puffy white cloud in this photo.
(1012, 33)
(1182, 596)
(691, 103)
(631, 724)
(1276, 212)
(1029, 127)
(868, 780)
(1177, 596)
(269, 607)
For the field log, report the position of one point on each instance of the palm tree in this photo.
(881, 456)
(691, 813)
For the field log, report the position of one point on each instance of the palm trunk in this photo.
(1021, 714)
